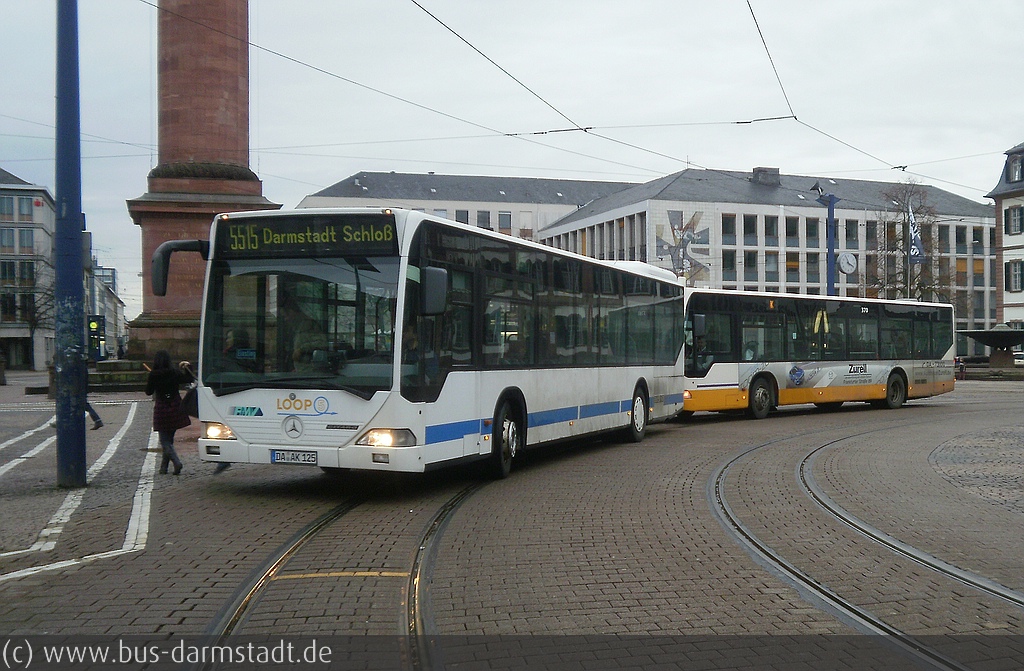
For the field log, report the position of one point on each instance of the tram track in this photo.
(415, 627)
(818, 593)
(951, 571)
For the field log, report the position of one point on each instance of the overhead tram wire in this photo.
(770, 59)
(492, 62)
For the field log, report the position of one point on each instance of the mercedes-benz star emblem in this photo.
(292, 427)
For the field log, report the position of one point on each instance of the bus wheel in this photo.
(507, 437)
(895, 392)
(638, 416)
(760, 398)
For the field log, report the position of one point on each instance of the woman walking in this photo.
(168, 415)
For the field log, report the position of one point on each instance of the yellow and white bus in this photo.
(758, 351)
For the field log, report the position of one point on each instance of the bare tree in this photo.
(896, 276)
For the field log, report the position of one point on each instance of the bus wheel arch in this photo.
(638, 422)
(761, 396)
(508, 433)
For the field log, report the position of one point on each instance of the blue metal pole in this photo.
(830, 237)
(69, 360)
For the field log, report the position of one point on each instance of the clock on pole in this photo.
(847, 263)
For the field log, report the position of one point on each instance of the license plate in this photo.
(293, 457)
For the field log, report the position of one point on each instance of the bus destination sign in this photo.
(307, 236)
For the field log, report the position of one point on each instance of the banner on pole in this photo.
(916, 252)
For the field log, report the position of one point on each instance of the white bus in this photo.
(505, 344)
(757, 351)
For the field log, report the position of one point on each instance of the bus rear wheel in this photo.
(761, 400)
(507, 438)
(895, 392)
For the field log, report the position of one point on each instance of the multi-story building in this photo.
(1009, 211)
(517, 206)
(27, 221)
(764, 231)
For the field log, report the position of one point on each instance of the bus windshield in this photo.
(323, 323)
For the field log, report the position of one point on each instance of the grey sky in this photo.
(338, 87)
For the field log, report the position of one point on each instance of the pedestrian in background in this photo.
(168, 415)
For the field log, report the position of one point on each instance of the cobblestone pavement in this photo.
(589, 540)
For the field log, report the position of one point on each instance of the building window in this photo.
(1014, 171)
(24, 208)
(7, 272)
(750, 230)
(443, 213)
(26, 241)
(26, 273)
(852, 233)
(28, 306)
(871, 234)
(1013, 220)
(771, 267)
(1014, 276)
(505, 222)
(728, 229)
(792, 231)
(978, 241)
(750, 266)
(961, 239)
(462, 216)
(729, 265)
(944, 239)
(7, 208)
(8, 307)
(793, 267)
(813, 267)
(771, 230)
(812, 231)
(483, 218)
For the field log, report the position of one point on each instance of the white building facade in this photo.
(1009, 198)
(763, 231)
(27, 224)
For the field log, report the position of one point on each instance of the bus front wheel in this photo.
(507, 438)
(638, 416)
(761, 400)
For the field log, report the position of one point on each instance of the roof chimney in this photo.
(767, 176)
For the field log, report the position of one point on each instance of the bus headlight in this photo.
(217, 431)
(387, 438)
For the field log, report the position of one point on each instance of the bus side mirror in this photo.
(162, 260)
(699, 329)
(435, 291)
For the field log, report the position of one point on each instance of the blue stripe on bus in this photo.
(554, 416)
(626, 406)
(598, 409)
(673, 398)
(441, 433)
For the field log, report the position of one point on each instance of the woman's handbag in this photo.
(190, 402)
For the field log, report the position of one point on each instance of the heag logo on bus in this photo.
(296, 405)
